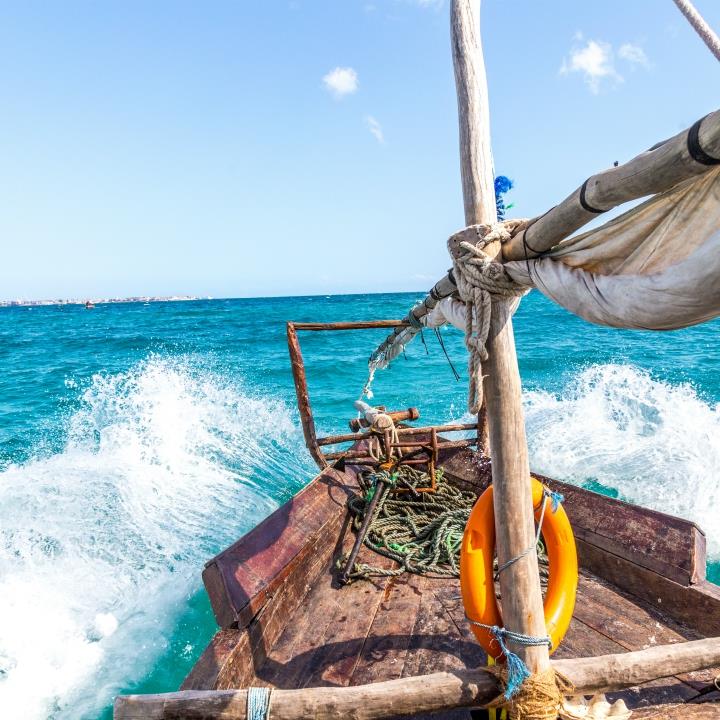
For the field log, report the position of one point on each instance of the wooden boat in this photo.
(286, 622)
(646, 621)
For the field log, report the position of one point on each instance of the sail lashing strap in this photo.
(694, 148)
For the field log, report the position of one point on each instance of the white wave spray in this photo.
(656, 444)
(101, 544)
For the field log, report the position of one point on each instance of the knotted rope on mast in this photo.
(480, 281)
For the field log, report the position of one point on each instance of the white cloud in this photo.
(595, 61)
(375, 128)
(341, 81)
(634, 54)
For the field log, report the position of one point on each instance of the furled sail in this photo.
(655, 267)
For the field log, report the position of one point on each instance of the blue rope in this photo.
(555, 497)
(517, 671)
(258, 703)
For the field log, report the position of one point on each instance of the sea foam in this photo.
(101, 544)
(655, 444)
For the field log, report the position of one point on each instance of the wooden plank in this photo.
(322, 640)
(240, 579)
(345, 635)
(679, 712)
(353, 325)
(383, 653)
(668, 545)
(303, 637)
(204, 673)
(246, 649)
(632, 625)
(443, 640)
(696, 606)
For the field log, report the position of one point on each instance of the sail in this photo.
(655, 267)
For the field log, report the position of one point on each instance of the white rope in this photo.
(480, 280)
(706, 33)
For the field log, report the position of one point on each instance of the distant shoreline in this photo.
(99, 301)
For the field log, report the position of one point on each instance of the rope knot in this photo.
(480, 280)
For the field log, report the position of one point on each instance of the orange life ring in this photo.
(476, 569)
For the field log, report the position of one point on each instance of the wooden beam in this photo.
(656, 170)
(356, 325)
(303, 396)
(419, 695)
(651, 172)
(514, 523)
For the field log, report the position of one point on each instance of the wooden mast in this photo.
(522, 604)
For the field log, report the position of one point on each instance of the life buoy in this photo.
(476, 569)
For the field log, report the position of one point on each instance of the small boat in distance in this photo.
(89, 305)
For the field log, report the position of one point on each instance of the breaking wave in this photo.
(616, 428)
(102, 543)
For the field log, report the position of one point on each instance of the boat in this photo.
(287, 622)
(318, 620)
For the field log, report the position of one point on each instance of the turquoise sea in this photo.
(137, 440)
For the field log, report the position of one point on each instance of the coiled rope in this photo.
(422, 531)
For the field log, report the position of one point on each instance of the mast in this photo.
(706, 33)
(522, 604)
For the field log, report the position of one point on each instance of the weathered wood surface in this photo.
(514, 523)
(423, 694)
(240, 579)
(651, 172)
(353, 325)
(303, 397)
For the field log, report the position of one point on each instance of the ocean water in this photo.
(138, 440)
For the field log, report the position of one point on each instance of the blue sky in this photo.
(279, 148)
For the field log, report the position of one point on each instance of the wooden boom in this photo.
(418, 695)
(653, 171)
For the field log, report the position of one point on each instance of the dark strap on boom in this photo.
(693, 145)
(586, 205)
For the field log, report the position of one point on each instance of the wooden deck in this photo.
(288, 624)
(390, 628)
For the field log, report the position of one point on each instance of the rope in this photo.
(556, 498)
(540, 698)
(480, 280)
(421, 531)
(258, 703)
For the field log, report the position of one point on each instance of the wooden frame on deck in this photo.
(315, 443)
